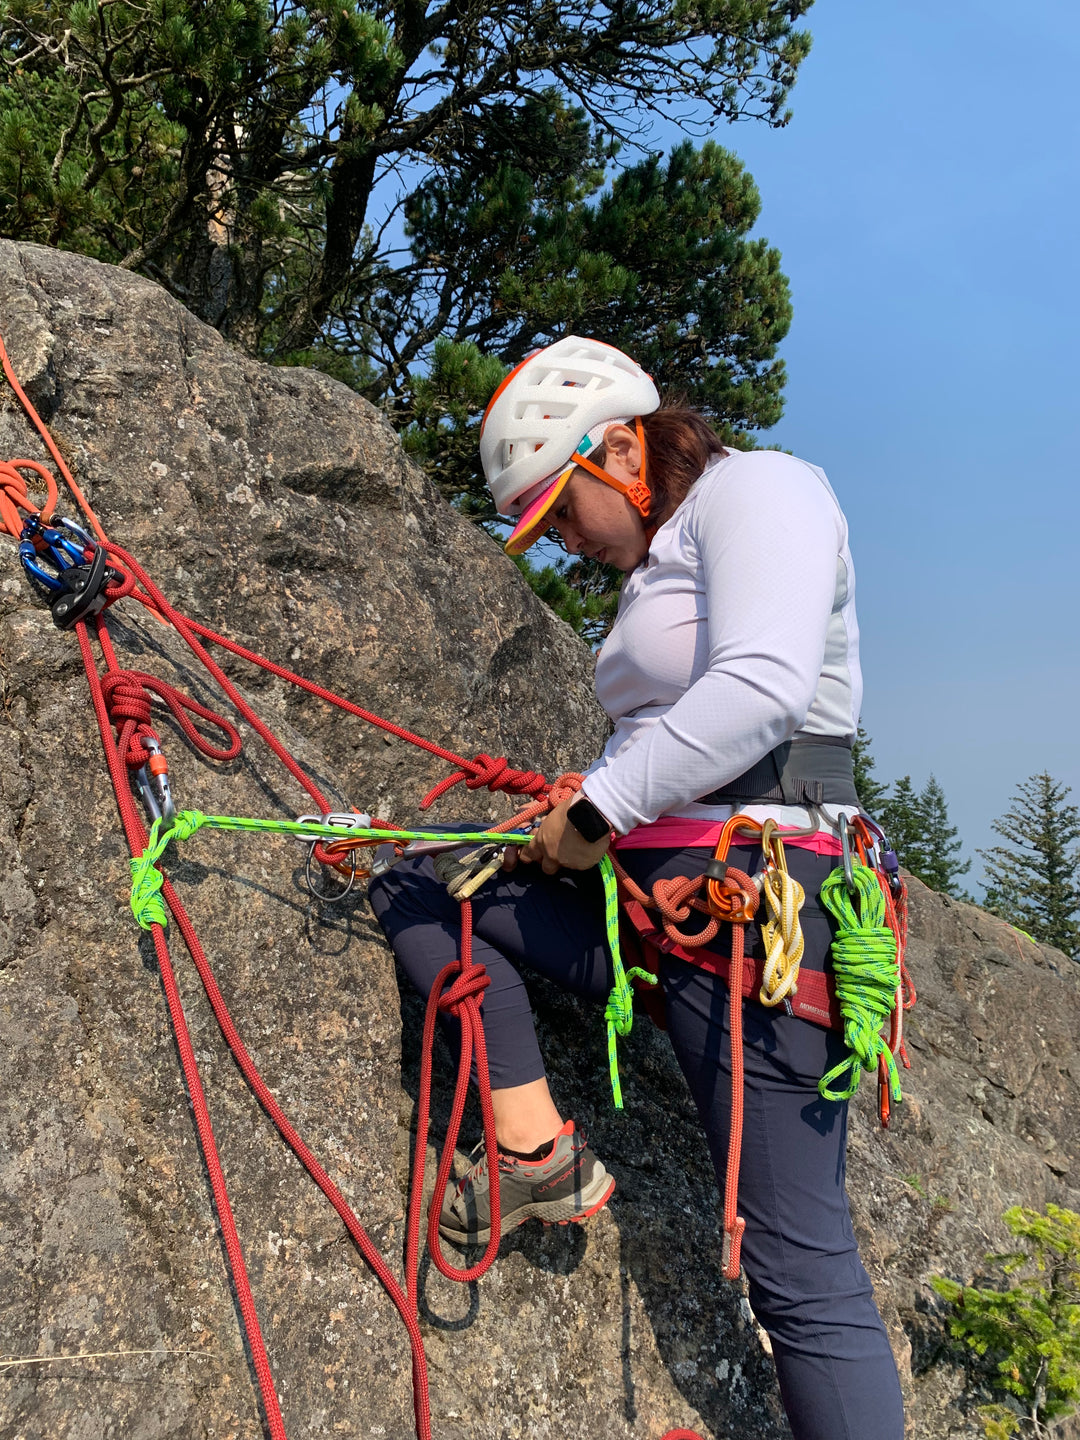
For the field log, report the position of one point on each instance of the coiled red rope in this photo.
(128, 695)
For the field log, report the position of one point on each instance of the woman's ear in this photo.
(621, 445)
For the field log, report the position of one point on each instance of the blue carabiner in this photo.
(61, 548)
(30, 558)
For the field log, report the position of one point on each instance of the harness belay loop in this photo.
(866, 970)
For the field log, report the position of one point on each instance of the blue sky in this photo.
(926, 200)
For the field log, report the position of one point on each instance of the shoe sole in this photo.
(553, 1212)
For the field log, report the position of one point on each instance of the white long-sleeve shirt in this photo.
(736, 633)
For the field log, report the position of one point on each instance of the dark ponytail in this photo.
(679, 444)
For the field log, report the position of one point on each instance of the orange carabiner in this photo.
(729, 901)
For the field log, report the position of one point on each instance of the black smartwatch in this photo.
(587, 820)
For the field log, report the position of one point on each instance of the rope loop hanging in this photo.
(128, 696)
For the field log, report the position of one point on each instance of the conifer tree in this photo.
(659, 263)
(941, 867)
(871, 792)
(236, 152)
(917, 825)
(1032, 880)
(904, 824)
(1026, 1322)
(580, 591)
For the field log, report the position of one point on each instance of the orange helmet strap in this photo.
(638, 493)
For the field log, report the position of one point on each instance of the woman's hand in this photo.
(557, 845)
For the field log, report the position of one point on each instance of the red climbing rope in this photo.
(128, 695)
(122, 701)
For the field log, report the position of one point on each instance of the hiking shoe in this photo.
(570, 1184)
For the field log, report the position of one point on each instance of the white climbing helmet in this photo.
(556, 403)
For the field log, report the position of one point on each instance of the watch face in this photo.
(588, 821)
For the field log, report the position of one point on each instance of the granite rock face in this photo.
(276, 506)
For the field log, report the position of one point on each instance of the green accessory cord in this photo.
(867, 975)
(147, 879)
(619, 1010)
(149, 908)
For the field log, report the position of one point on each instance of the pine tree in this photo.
(903, 822)
(581, 592)
(940, 865)
(1027, 1323)
(660, 262)
(239, 152)
(1032, 880)
(870, 792)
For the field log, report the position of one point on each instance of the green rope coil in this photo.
(867, 975)
(619, 1010)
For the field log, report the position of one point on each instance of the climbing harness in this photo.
(81, 574)
(869, 981)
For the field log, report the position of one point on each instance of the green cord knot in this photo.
(146, 879)
(619, 1010)
(867, 975)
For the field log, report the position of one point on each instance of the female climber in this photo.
(732, 679)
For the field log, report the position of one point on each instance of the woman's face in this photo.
(594, 519)
(597, 520)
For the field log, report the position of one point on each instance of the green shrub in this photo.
(1027, 1325)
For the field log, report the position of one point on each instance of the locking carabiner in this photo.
(719, 896)
(152, 783)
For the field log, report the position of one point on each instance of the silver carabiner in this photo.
(845, 846)
(323, 897)
(155, 790)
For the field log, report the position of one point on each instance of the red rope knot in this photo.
(15, 497)
(495, 774)
(128, 697)
(470, 984)
(674, 899)
(563, 786)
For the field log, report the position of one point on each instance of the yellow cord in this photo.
(781, 931)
